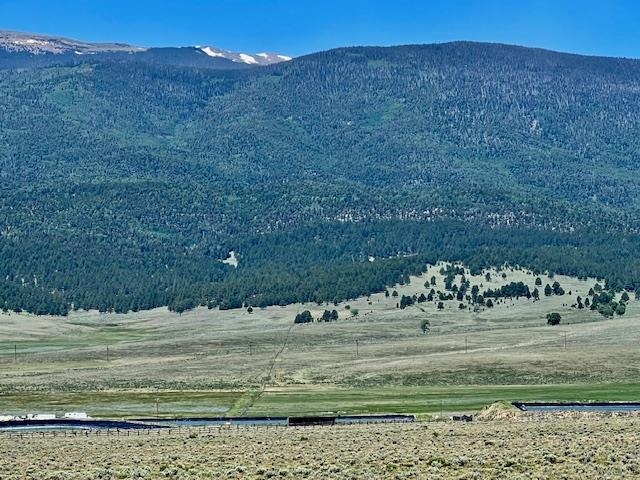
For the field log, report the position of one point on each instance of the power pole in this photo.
(357, 349)
(250, 349)
(565, 341)
(107, 353)
(465, 344)
(15, 353)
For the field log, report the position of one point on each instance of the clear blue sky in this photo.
(296, 27)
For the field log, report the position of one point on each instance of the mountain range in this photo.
(27, 49)
(125, 185)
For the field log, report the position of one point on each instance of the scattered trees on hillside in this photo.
(513, 289)
(425, 326)
(181, 305)
(304, 317)
(557, 289)
(406, 301)
(553, 318)
(605, 303)
(329, 316)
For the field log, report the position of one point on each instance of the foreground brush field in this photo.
(374, 359)
(574, 448)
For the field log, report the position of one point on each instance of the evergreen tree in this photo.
(304, 317)
(553, 318)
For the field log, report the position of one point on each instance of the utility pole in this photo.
(565, 341)
(107, 353)
(250, 348)
(465, 344)
(15, 353)
(357, 349)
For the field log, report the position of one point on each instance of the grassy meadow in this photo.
(211, 363)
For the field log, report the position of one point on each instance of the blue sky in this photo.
(297, 27)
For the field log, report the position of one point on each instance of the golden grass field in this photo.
(570, 448)
(211, 363)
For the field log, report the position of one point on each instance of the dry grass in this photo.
(588, 448)
(211, 351)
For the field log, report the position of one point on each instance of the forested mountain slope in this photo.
(124, 184)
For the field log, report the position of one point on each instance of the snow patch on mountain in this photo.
(248, 59)
(212, 53)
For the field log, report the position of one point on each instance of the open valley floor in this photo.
(235, 363)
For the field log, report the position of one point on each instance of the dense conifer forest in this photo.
(124, 185)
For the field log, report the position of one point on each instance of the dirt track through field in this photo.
(252, 396)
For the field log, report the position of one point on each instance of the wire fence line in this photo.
(357, 347)
(190, 431)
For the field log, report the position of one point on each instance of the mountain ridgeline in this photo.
(28, 50)
(125, 183)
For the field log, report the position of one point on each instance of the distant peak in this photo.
(248, 58)
(38, 44)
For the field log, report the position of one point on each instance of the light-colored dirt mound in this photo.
(499, 411)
